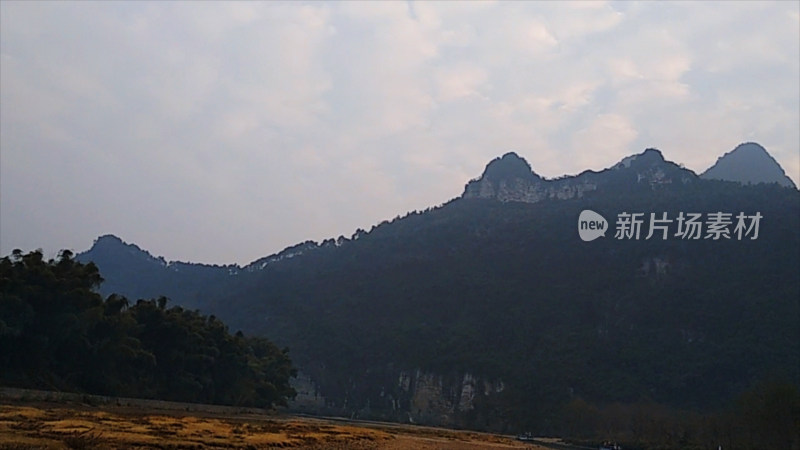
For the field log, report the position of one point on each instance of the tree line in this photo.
(57, 332)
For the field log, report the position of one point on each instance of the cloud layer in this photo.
(221, 132)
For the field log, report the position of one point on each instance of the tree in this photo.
(57, 332)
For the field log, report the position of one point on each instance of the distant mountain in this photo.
(490, 312)
(135, 273)
(131, 271)
(748, 163)
(510, 178)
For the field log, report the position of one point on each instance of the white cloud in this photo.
(290, 121)
(603, 142)
(459, 82)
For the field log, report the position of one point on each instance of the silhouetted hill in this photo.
(490, 312)
(135, 273)
(748, 163)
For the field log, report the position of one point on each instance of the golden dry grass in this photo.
(62, 427)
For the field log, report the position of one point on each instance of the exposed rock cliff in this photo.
(510, 178)
(417, 397)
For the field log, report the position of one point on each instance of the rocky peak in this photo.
(649, 168)
(508, 168)
(508, 178)
(650, 157)
(748, 163)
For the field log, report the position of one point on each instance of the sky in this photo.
(224, 132)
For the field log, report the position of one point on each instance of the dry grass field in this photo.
(59, 426)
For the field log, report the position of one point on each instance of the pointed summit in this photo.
(508, 178)
(509, 167)
(110, 246)
(650, 157)
(748, 163)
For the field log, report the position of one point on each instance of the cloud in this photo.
(221, 132)
(608, 136)
(459, 82)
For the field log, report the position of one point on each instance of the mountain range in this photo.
(490, 312)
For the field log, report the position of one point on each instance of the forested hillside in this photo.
(495, 314)
(508, 291)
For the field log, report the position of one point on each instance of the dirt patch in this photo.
(63, 427)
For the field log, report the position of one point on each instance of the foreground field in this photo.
(59, 426)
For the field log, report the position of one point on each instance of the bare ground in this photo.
(59, 426)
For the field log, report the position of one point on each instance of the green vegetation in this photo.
(507, 292)
(56, 332)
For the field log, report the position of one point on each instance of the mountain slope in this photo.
(748, 163)
(506, 292)
(494, 314)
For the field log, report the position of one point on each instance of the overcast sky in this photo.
(223, 132)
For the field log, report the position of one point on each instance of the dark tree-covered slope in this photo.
(56, 332)
(490, 311)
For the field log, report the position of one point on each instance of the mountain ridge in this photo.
(509, 178)
(505, 179)
(490, 312)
